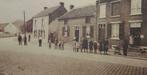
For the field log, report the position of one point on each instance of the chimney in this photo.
(62, 3)
(97, 2)
(45, 8)
(71, 7)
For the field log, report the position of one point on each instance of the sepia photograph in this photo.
(73, 37)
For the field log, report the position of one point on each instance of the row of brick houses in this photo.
(78, 23)
(112, 19)
(117, 19)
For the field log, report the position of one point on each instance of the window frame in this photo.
(115, 31)
(118, 15)
(100, 9)
(136, 7)
(88, 20)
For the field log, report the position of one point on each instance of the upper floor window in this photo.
(102, 11)
(87, 20)
(115, 7)
(136, 6)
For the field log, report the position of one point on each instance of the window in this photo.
(66, 31)
(42, 26)
(102, 11)
(136, 6)
(84, 31)
(115, 7)
(91, 31)
(35, 33)
(35, 24)
(87, 31)
(87, 20)
(115, 31)
(135, 25)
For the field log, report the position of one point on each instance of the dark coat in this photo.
(19, 38)
(101, 48)
(125, 44)
(106, 45)
(95, 46)
(85, 44)
(91, 45)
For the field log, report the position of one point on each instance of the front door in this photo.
(135, 32)
(77, 35)
(102, 31)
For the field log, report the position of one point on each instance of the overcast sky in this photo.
(11, 10)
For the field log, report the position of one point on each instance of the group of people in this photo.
(23, 39)
(59, 44)
(90, 46)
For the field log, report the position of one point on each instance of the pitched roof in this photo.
(80, 12)
(18, 23)
(47, 11)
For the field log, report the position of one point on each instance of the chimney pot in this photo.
(71, 6)
(62, 3)
(45, 8)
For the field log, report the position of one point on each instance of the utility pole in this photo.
(24, 22)
(97, 27)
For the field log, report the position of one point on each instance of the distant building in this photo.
(2, 26)
(43, 19)
(78, 23)
(118, 19)
(29, 26)
(11, 29)
(20, 25)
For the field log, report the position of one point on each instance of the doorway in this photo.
(77, 34)
(102, 31)
(135, 32)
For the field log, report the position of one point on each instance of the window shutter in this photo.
(109, 30)
(121, 30)
(84, 31)
(91, 31)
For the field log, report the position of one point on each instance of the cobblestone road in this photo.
(15, 60)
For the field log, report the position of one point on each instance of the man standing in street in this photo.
(20, 39)
(40, 41)
(125, 47)
(95, 45)
(29, 38)
(91, 46)
(106, 45)
(25, 39)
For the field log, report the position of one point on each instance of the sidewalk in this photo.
(131, 53)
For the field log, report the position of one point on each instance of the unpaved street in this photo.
(32, 60)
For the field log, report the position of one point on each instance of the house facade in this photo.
(43, 19)
(29, 26)
(77, 24)
(119, 19)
